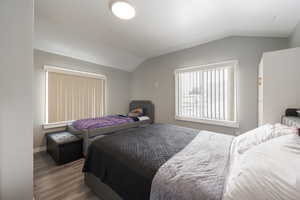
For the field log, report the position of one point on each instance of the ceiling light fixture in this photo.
(122, 9)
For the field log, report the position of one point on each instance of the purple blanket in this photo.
(99, 122)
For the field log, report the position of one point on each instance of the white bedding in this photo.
(262, 134)
(250, 139)
(267, 171)
(267, 168)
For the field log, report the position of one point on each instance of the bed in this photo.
(291, 121)
(291, 118)
(125, 165)
(169, 162)
(90, 134)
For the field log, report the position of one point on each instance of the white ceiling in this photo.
(87, 30)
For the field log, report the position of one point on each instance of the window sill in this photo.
(230, 124)
(56, 125)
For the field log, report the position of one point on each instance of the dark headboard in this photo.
(291, 112)
(147, 106)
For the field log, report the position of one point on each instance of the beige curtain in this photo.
(72, 97)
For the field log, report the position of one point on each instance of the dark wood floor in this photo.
(64, 182)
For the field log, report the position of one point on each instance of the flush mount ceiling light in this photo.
(122, 9)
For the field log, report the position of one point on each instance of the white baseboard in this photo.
(39, 149)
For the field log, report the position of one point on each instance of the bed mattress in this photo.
(128, 160)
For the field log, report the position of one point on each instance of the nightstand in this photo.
(64, 147)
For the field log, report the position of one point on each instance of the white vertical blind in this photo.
(72, 97)
(206, 92)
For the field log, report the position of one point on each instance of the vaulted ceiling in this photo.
(87, 30)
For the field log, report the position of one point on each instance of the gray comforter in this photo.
(128, 160)
(198, 172)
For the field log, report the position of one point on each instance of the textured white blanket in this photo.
(198, 172)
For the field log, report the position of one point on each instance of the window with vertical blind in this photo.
(207, 94)
(72, 95)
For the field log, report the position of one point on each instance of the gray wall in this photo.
(118, 86)
(16, 65)
(294, 40)
(154, 79)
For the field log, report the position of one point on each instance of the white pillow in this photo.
(269, 171)
(252, 138)
(261, 134)
(143, 118)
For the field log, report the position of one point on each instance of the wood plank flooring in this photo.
(65, 182)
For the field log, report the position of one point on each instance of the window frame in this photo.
(50, 68)
(225, 123)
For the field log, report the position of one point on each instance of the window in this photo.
(207, 94)
(72, 95)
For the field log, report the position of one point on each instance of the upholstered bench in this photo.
(64, 147)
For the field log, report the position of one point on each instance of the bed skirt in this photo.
(103, 191)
